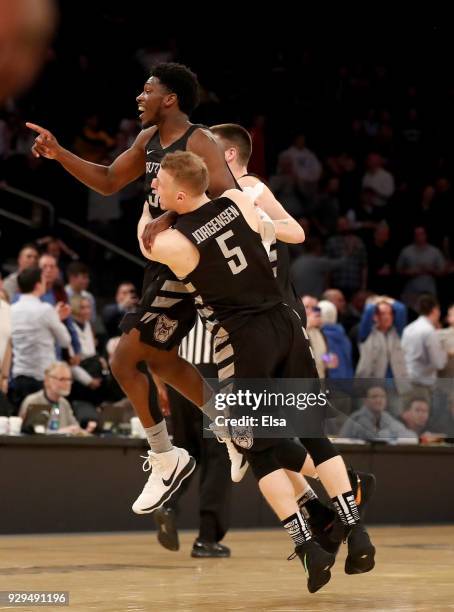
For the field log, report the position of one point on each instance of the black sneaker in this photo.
(361, 551)
(316, 562)
(209, 549)
(330, 534)
(363, 487)
(165, 520)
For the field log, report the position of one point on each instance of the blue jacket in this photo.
(339, 343)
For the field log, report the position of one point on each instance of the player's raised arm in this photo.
(103, 179)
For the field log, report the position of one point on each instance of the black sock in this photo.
(346, 508)
(297, 528)
(315, 512)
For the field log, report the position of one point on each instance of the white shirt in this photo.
(305, 162)
(423, 352)
(5, 327)
(382, 182)
(36, 328)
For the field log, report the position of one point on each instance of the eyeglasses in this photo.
(61, 378)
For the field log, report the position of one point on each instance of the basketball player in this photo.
(256, 335)
(152, 333)
(236, 143)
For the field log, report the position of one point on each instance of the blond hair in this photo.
(188, 169)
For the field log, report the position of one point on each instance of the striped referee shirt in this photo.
(198, 346)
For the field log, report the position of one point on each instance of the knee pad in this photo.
(320, 449)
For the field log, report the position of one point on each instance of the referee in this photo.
(212, 459)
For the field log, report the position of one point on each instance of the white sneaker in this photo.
(168, 470)
(239, 465)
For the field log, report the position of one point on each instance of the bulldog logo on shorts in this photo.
(242, 436)
(164, 328)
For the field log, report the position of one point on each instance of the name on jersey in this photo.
(216, 224)
(152, 167)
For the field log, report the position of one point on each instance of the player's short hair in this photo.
(188, 170)
(237, 136)
(180, 80)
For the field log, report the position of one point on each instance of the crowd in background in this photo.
(359, 153)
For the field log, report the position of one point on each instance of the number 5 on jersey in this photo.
(230, 254)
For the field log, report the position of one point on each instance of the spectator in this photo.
(337, 340)
(57, 386)
(78, 281)
(27, 258)
(36, 328)
(54, 293)
(373, 422)
(378, 179)
(443, 420)
(420, 263)
(323, 360)
(309, 271)
(327, 208)
(58, 249)
(5, 341)
(125, 300)
(306, 166)
(381, 353)
(380, 261)
(89, 372)
(415, 417)
(286, 188)
(353, 274)
(446, 337)
(424, 353)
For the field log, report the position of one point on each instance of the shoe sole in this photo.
(362, 563)
(326, 578)
(185, 472)
(167, 537)
(208, 556)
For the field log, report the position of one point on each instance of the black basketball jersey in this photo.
(234, 279)
(154, 154)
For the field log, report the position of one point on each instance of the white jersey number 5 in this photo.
(229, 254)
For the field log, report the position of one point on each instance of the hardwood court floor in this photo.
(132, 573)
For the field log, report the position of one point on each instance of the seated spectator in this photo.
(78, 280)
(323, 360)
(88, 374)
(381, 353)
(424, 353)
(59, 417)
(446, 337)
(337, 340)
(373, 422)
(415, 417)
(27, 258)
(305, 165)
(420, 263)
(125, 300)
(286, 188)
(36, 328)
(348, 315)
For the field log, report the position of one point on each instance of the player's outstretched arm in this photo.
(103, 179)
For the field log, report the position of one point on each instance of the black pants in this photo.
(213, 464)
(23, 386)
